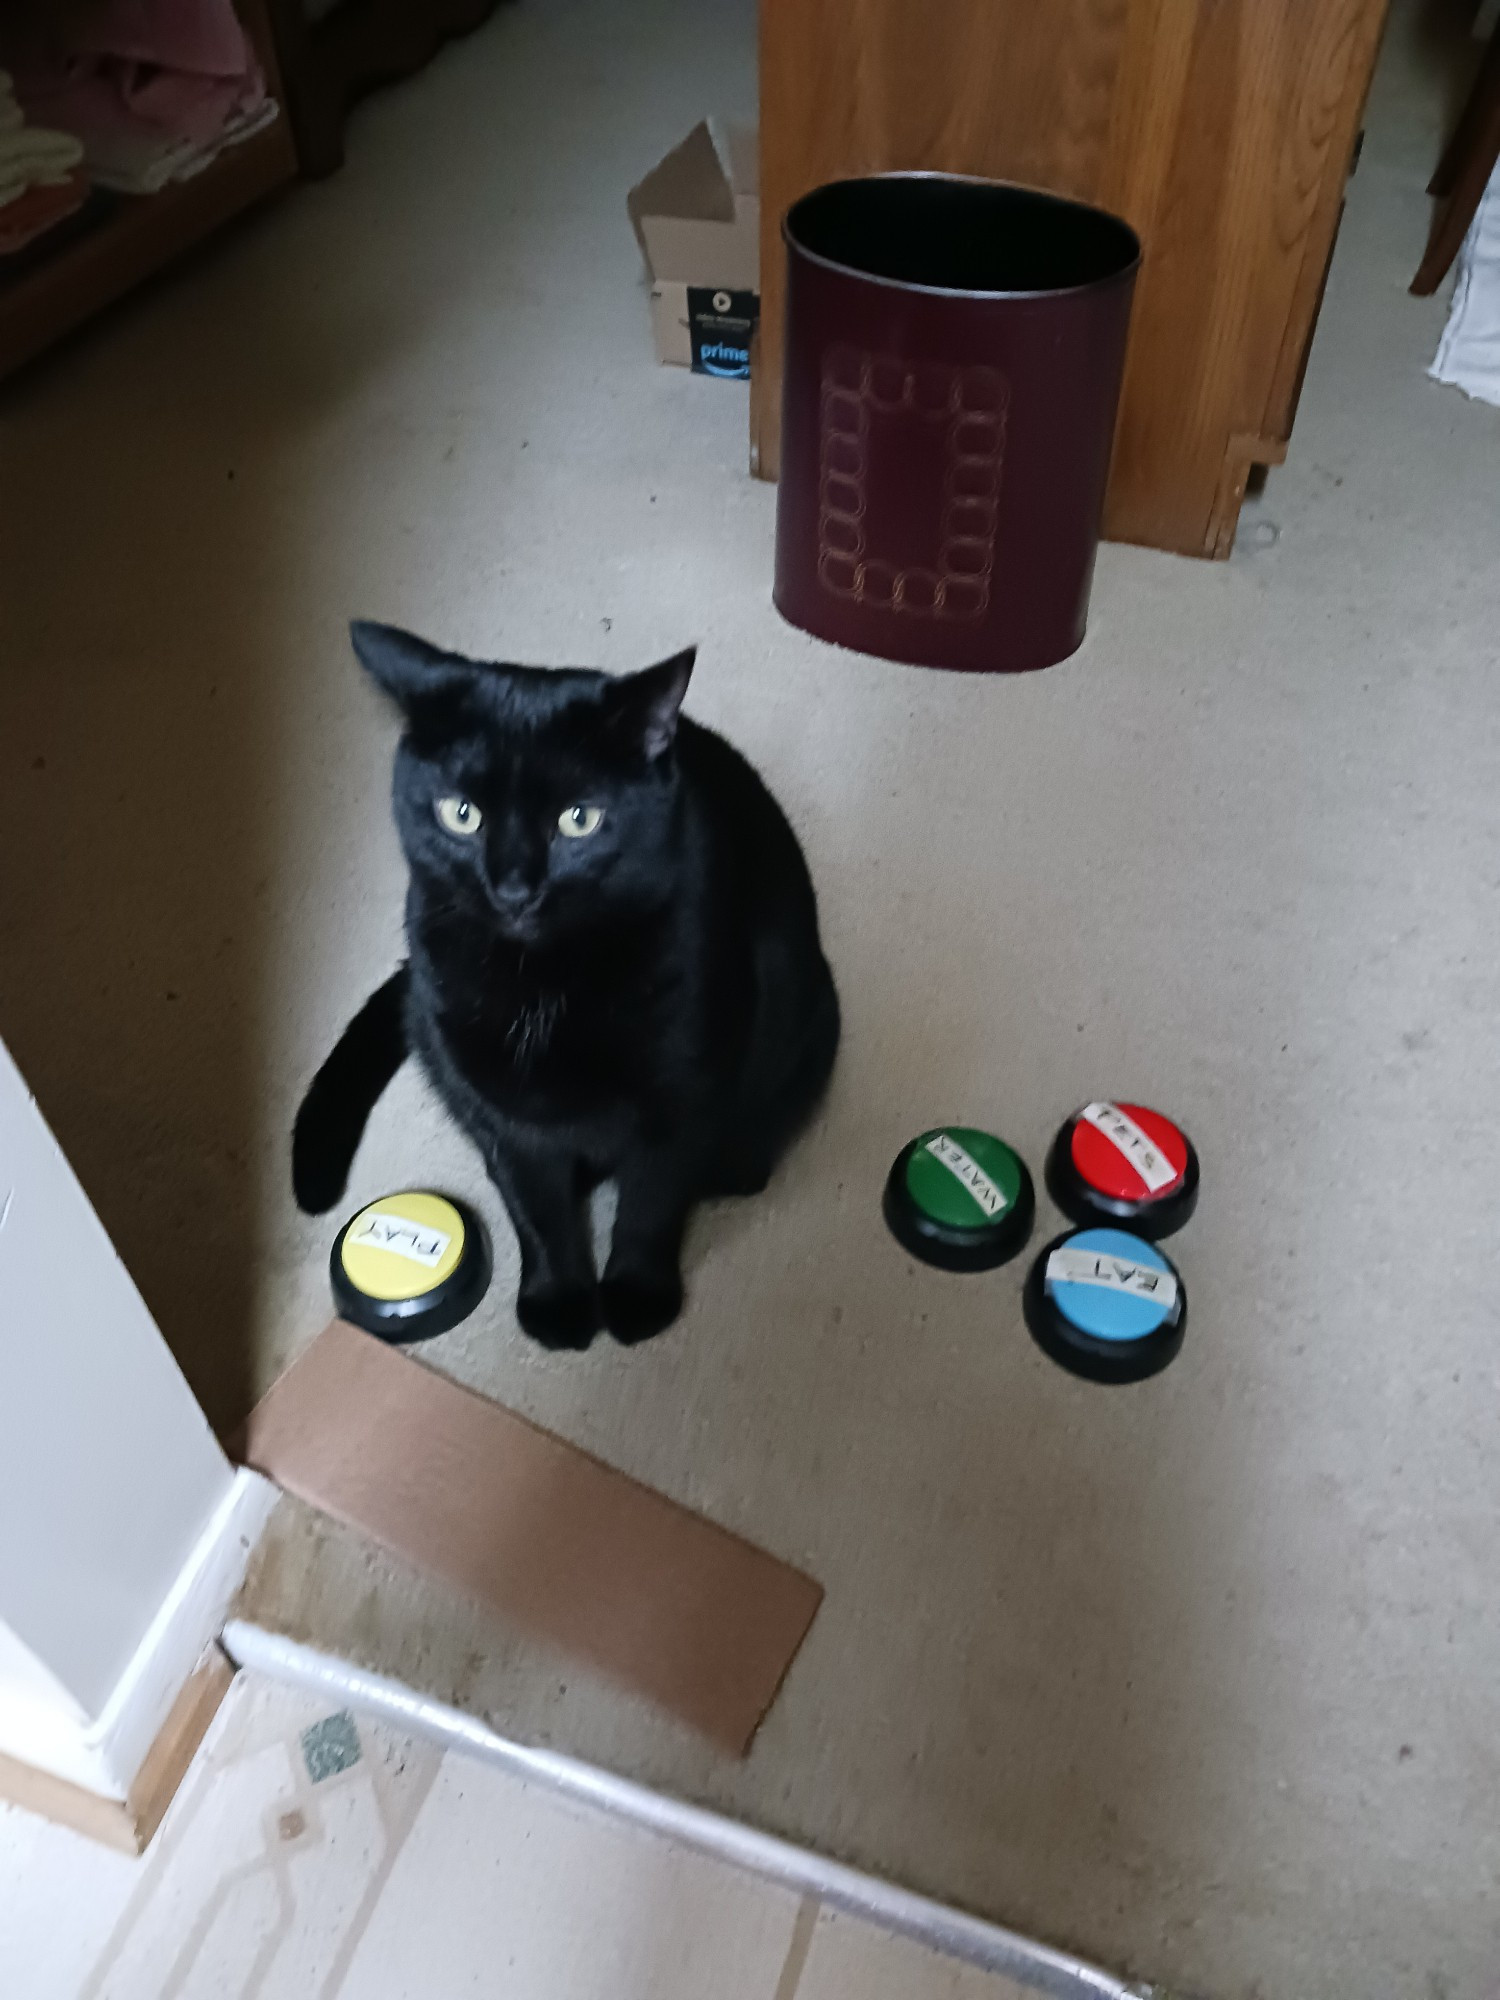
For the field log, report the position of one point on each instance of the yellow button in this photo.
(403, 1245)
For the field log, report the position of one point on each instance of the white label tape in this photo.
(402, 1237)
(1068, 1266)
(964, 1167)
(1122, 1132)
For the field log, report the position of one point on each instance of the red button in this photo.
(1105, 1168)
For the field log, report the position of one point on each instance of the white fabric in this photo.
(36, 154)
(1468, 354)
(144, 166)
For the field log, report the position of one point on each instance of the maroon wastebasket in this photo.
(954, 350)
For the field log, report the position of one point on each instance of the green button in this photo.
(963, 1178)
(959, 1198)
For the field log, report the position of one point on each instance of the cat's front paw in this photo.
(638, 1304)
(559, 1316)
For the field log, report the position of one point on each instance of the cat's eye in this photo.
(578, 822)
(460, 816)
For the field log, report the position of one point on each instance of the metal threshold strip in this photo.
(1036, 1966)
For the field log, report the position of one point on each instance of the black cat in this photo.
(613, 969)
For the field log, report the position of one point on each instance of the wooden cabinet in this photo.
(1222, 130)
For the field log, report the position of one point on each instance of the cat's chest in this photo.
(531, 1043)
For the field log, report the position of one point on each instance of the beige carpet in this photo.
(1200, 1679)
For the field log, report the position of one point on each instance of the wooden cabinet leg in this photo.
(1463, 174)
(362, 43)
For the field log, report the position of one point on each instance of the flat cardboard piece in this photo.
(653, 1595)
(696, 216)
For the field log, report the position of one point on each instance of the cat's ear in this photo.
(647, 704)
(407, 667)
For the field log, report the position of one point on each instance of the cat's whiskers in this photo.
(532, 1028)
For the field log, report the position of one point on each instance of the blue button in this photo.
(1131, 1293)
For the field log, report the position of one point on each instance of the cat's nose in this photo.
(511, 896)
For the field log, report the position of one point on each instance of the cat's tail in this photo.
(343, 1094)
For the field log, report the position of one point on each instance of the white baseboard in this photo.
(104, 1756)
(189, 1618)
(1036, 1967)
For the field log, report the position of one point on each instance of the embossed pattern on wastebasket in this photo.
(868, 401)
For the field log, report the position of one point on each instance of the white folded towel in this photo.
(39, 155)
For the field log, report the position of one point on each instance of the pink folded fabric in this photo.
(153, 88)
(193, 108)
(201, 37)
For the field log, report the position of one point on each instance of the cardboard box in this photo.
(696, 217)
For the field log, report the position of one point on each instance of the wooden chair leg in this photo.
(1463, 173)
(1464, 134)
(1445, 173)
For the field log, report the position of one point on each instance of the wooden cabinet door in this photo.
(1220, 129)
